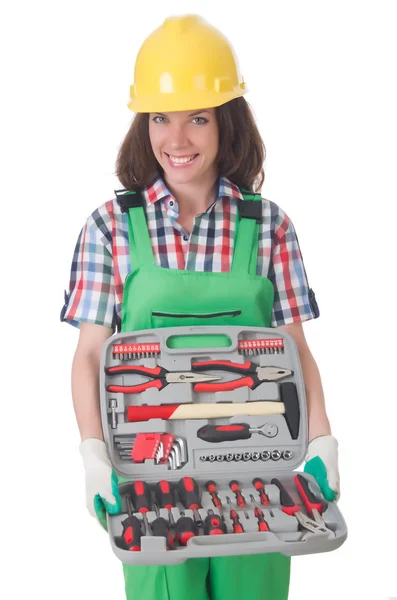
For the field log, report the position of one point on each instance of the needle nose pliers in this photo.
(159, 376)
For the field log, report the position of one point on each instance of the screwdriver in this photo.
(259, 486)
(230, 502)
(131, 530)
(262, 524)
(237, 527)
(211, 488)
(142, 500)
(165, 496)
(161, 528)
(185, 529)
(213, 525)
(234, 486)
(190, 497)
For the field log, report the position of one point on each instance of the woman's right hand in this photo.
(102, 495)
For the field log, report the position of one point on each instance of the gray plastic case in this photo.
(285, 534)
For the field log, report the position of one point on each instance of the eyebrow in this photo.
(198, 112)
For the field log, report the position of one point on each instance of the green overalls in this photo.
(159, 297)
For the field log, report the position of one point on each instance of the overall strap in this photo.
(249, 217)
(133, 203)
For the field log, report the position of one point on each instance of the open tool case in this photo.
(147, 446)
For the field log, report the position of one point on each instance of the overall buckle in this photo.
(250, 209)
(126, 200)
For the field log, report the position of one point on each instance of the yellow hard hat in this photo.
(185, 64)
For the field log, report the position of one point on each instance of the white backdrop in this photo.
(321, 77)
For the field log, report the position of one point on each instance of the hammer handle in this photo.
(204, 411)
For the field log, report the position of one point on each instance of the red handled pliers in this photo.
(253, 375)
(313, 506)
(314, 524)
(160, 378)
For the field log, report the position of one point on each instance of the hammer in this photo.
(289, 407)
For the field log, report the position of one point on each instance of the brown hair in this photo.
(240, 157)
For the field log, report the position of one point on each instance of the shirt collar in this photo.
(159, 191)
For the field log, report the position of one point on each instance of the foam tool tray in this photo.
(206, 428)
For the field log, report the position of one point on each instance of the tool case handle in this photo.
(199, 337)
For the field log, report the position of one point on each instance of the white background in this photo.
(321, 79)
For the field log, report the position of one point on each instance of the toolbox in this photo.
(206, 427)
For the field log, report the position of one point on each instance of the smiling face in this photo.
(185, 144)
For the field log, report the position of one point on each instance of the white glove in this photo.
(100, 480)
(322, 463)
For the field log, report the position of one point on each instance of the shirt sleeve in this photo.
(294, 300)
(90, 298)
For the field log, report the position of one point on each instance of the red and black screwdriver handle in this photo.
(224, 433)
(189, 493)
(165, 494)
(248, 368)
(213, 525)
(190, 496)
(287, 503)
(141, 496)
(185, 529)
(262, 525)
(161, 528)
(237, 527)
(211, 488)
(260, 487)
(132, 532)
(235, 487)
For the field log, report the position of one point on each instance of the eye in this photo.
(155, 121)
(202, 119)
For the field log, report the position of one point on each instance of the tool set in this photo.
(178, 528)
(233, 428)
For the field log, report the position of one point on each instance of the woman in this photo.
(189, 165)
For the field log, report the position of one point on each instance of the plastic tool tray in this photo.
(153, 436)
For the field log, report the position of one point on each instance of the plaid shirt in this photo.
(101, 260)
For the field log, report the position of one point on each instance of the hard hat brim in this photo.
(191, 101)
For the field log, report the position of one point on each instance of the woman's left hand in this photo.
(322, 463)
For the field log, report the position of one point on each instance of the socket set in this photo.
(175, 408)
(246, 456)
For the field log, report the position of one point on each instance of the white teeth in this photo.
(180, 161)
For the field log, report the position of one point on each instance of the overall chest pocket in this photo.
(170, 319)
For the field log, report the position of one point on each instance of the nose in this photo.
(177, 136)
